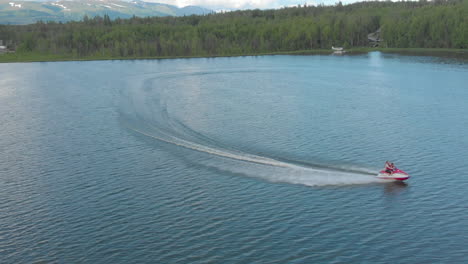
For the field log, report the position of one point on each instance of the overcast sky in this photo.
(243, 4)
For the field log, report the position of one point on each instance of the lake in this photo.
(267, 159)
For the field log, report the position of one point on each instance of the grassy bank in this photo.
(40, 57)
(459, 53)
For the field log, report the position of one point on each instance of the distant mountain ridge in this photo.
(27, 12)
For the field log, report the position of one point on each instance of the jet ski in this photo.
(395, 175)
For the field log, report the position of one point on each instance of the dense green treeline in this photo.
(437, 24)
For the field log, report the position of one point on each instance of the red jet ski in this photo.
(396, 175)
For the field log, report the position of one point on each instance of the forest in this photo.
(408, 24)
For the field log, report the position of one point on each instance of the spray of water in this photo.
(145, 112)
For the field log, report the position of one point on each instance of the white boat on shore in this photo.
(338, 50)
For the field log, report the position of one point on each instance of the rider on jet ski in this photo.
(389, 167)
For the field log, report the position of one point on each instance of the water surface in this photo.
(234, 160)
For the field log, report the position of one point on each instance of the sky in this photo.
(243, 4)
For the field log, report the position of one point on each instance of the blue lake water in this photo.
(234, 160)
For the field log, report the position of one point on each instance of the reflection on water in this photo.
(394, 188)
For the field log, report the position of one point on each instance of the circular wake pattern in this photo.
(146, 109)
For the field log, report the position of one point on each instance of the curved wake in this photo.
(145, 111)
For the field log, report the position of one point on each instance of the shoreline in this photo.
(437, 52)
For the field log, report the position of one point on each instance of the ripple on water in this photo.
(226, 167)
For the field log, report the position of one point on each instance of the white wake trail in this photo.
(265, 168)
(145, 111)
